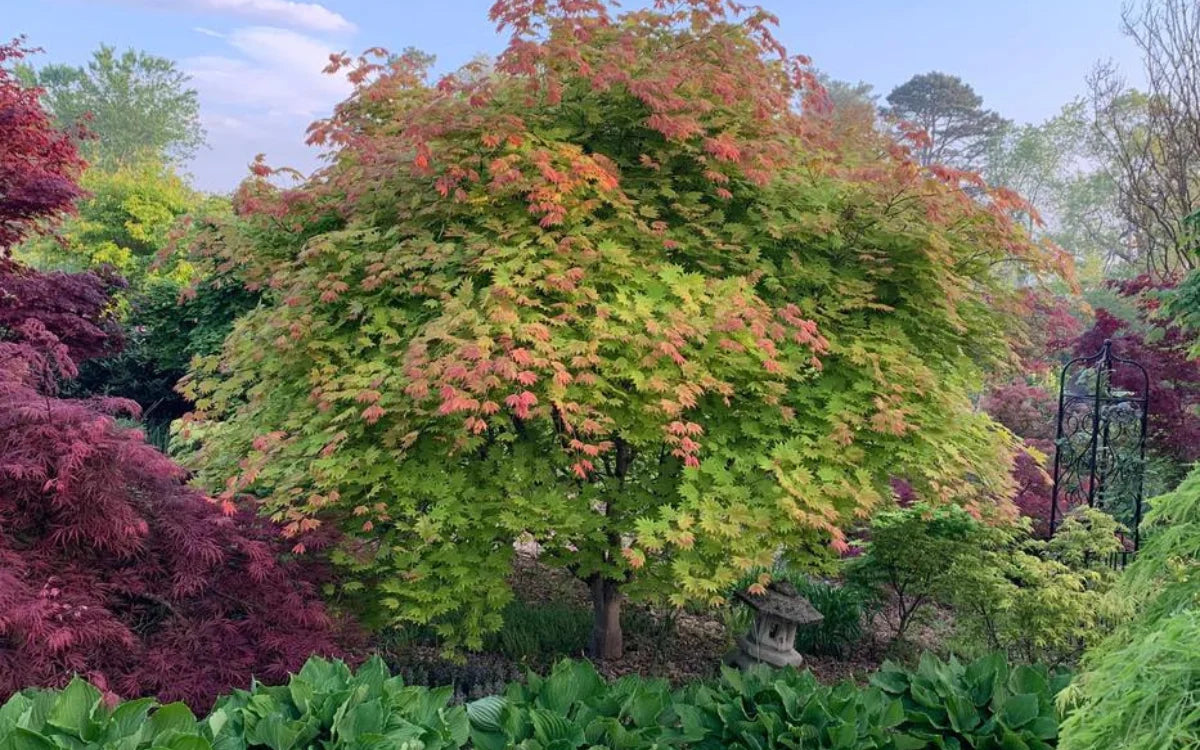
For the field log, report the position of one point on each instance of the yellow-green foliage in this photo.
(620, 298)
(124, 222)
(1038, 601)
(1141, 687)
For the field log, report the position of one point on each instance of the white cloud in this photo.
(259, 90)
(311, 16)
(270, 70)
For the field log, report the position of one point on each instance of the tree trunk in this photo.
(607, 642)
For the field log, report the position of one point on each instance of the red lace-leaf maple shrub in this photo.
(1029, 411)
(1163, 348)
(110, 565)
(39, 164)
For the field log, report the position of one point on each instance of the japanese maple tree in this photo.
(1134, 322)
(110, 565)
(39, 164)
(628, 295)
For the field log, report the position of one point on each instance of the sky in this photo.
(257, 63)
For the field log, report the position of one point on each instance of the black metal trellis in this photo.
(1100, 440)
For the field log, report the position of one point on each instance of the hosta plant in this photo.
(984, 704)
(328, 706)
(78, 717)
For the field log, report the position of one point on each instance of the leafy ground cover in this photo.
(982, 705)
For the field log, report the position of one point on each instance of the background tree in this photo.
(124, 221)
(127, 223)
(854, 107)
(1150, 141)
(621, 300)
(958, 130)
(134, 105)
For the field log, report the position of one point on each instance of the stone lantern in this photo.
(777, 613)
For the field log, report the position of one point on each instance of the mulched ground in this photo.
(675, 645)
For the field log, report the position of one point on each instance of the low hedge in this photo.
(945, 705)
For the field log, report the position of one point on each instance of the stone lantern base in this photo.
(749, 652)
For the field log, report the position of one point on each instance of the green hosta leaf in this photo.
(568, 683)
(485, 713)
(128, 720)
(185, 742)
(1027, 679)
(646, 704)
(72, 710)
(925, 695)
(890, 680)
(553, 729)
(328, 675)
(24, 739)
(456, 726)
(1012, 741)
(485, 740)
(302, 693)
(274, 732)
(1043, 728)
(13, 710)
(173, 717)
(844, 737)
(790, 698)
(365, 718)
(903, 741)
(961, 712)
(694, 723)
(1019, 710)
(893, 715)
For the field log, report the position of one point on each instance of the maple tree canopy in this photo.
(628, 294)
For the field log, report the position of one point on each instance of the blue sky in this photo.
(256, 63)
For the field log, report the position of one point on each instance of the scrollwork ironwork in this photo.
(1100, 438)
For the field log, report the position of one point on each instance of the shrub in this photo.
(842, 607)
(1140, 688)
(1038, 601)
(110, 566)
(543, 632)
(912, 557)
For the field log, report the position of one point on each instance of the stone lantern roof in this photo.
(781, 600)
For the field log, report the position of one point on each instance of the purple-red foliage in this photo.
(1054, 322)
(38, 164)
(110, 565)
(1029, 411)
(1162, 348)
(65, 315)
